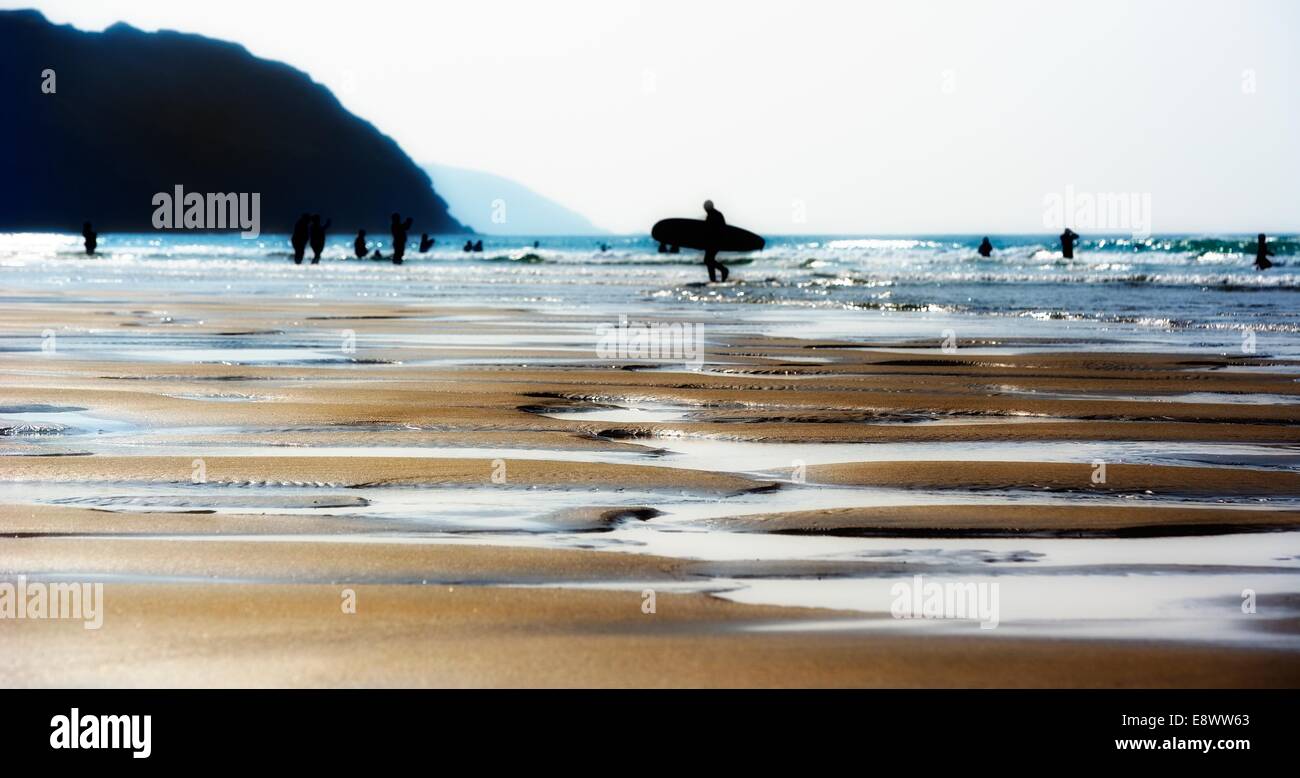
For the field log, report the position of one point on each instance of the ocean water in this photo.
(1167, 292)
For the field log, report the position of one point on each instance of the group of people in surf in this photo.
(397, 227)
(308, 230)
(1069, 238)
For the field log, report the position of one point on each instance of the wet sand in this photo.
(453, 636)
(1000, 520)
(357, 471)
(1059, 476)
(231, 574)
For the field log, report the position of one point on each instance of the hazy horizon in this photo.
(931, 119)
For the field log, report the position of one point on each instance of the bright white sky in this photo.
(884, 117)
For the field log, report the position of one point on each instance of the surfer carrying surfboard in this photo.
(715, 221)
(711, 235)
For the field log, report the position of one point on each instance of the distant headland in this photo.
(101, 122)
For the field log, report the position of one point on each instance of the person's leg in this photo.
(711, 264)
(723, 268)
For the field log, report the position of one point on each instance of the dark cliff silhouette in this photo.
(135, 113)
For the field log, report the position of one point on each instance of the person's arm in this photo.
(409, 222)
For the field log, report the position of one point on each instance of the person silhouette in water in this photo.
(399, 228)
(1262, 253)
(92, 238)
(714, 220)
(986, 248)
(318, 237)
(1068, 239)
(299, 238)
(425, 242)
(359, 245)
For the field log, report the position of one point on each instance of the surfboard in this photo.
(696, 234)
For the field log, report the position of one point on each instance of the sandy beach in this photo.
(508, 509)
(471, 635)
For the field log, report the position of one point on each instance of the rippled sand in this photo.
(505, 506)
